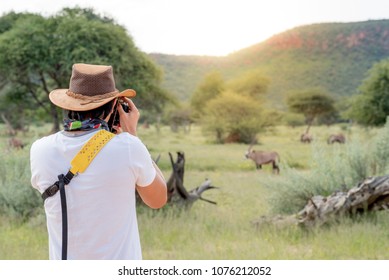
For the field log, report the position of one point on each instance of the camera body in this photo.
(125, 106)
(114, 120)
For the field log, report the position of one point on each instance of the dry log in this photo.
(177, 193)
(370, 195)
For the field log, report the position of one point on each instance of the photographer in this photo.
(101, 220)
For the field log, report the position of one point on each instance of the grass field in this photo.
(222, 231)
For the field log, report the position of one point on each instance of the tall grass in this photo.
(222, 231)
(21, 240)
(17, 198)
(332, 168)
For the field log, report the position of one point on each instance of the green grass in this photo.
(222, 231)
(23, 241)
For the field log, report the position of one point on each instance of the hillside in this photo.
(183, 73)
(334, 56)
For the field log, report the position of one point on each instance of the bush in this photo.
(380, 152)
(17, 197)
(234, 118)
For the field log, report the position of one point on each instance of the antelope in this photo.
(306, 138)
(336, 138)
(262, 157)
(15, 143)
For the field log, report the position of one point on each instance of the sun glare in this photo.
(216, 27)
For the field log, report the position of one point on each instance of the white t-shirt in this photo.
(101, 206)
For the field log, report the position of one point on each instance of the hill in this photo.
(183, 73)
(335, 56)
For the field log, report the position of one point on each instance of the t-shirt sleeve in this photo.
(34, 175)
(38, 162)
(142, 161)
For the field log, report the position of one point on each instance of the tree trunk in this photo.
(310, 121)
(370, 195)
(11, 131)
(177, 193)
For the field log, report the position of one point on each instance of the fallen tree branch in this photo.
(177, 192)
(370, 195)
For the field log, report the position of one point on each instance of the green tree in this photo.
(19, 84)
(232, 117)
(7, 21)
(236, 114)
(371, 105)
(37, 53)
(251, 83)
(179, 117)
(211, 87)
(311, 103)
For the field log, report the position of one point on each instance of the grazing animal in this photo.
(261, 157)
(336, 138)
(15, 143)
(306, 138)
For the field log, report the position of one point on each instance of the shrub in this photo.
(234, 118)
(17, 197)
(380, 151)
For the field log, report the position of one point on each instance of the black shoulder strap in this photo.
(54, 188)
(64, 211)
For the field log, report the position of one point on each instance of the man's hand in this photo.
(128, 121)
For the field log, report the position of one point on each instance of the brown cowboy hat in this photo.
(91, 86)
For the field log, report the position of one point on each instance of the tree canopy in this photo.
(232, 110)
(252, 83)
(37, 54)
(234, 118)
(311, 103)
(371, 105)
(209, 88)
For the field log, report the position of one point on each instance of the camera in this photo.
(114, 120)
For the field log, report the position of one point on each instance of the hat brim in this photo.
(59, 98)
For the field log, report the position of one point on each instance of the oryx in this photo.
(336, 138)
(262, 157)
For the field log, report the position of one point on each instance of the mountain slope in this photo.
(335, 56)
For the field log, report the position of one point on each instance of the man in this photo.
(101, 210)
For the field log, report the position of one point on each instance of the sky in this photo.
(210, 27)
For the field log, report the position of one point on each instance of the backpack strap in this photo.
(82, 160)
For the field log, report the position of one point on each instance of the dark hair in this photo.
(98, 113)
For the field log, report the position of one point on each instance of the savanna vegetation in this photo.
(225, 230)
(265, 95)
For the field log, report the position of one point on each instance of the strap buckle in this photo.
(50, 191)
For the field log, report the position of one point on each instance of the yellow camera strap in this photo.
(78, 165)
(88, 152)
(82, 160)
